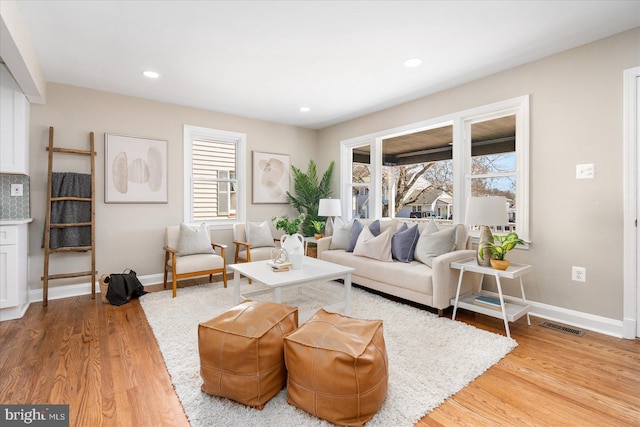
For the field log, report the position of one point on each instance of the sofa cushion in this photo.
(413, 276)
(259, 234)
(376, 247)
(194, 241)
(431, 245)
(403, 243)
(341, 234)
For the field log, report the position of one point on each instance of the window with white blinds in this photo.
(212, 160)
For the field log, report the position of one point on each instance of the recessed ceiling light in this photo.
(413, 62)
(151, 74)
(305, 109)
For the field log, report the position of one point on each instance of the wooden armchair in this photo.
(246, 251)
(194, 264)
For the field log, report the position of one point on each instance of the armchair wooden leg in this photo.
(174, 282)
(224, 277)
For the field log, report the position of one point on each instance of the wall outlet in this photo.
(578, 274)
(585, 171)
(16, 190)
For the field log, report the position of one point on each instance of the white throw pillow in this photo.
(376, 247)
(194, 241)
(431, 245)
(259, 234)
(341, 234)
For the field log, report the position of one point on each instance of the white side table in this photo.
(509, 312)
(308, 240)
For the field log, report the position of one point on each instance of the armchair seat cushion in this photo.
(199, 262)
(257, 254)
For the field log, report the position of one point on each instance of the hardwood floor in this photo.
(105, 363)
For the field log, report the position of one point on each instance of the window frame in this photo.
(240, 140)
(461, 157)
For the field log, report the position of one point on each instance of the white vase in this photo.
(294, 245)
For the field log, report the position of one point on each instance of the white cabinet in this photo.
(14, 120)
(14, 293)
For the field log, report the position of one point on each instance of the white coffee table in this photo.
(312, 270)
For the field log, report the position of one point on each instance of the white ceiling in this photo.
(266, 59)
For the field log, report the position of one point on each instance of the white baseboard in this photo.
(67, 291)
(578, 319)
(603, 325)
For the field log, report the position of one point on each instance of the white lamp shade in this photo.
(329, 207)
(487, 211)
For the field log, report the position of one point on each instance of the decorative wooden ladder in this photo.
(49, 226)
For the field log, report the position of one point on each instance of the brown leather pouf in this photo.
(241, 351)
(338, 368)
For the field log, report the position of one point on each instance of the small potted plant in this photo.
(499, 248)
(288, 225)
(318, 226)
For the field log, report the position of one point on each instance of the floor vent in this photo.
(572, 331)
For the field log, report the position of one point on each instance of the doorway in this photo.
(631, 155)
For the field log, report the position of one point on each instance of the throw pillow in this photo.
(356, 229)
(376, 247)
(403, 243)
(374, 227)
(192, 241)
(431, 227)
(259, 234)
(341, 234)
(431, 245)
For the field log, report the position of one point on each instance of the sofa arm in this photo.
(323, 244)
(445, 278)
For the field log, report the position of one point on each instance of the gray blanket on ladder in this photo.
(70, 184)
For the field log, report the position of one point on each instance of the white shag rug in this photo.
(430, 357)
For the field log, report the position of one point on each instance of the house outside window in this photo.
(430, 169)
(213, 160)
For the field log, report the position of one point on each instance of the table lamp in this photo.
(329, 208)
(485, 212)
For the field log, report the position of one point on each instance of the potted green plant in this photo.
(499, 248)
(288, 225)
(309, 188)
(317, 226)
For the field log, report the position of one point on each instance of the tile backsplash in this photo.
(14, 207)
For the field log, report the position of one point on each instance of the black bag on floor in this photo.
(123, 287)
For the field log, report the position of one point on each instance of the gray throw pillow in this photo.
(259, 234)
(431, 245)
(356, 229)
(193, 241)
(374, 227)
(341, 234)
(403, 243)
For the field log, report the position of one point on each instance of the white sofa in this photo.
(414, 281)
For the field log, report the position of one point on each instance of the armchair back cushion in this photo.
(259, 234)
(193, 241)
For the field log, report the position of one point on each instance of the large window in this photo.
(213, 160)
(429, 169)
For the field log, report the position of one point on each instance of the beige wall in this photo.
(576, 117)
(130, 235)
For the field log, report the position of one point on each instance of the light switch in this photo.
(16, 190)
(585, 171)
